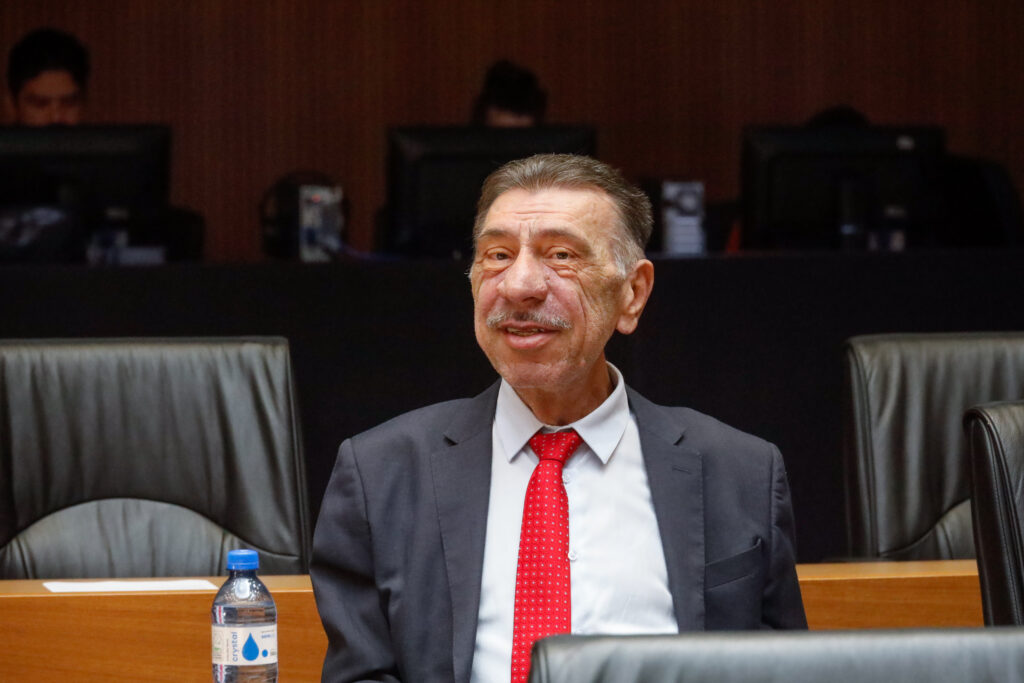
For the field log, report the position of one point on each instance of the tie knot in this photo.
(556, 445)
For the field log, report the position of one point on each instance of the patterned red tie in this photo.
(543, 604)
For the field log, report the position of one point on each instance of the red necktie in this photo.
(543, 604)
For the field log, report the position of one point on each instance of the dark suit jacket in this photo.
(399, 544)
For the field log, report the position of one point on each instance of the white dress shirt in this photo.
(617, 567)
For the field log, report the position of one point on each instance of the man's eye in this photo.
(562, 255)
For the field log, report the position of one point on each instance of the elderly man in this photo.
(452, 537)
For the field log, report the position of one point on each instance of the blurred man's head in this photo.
(47, 78)
(511, 98)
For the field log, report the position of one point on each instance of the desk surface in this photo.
(164, 636)
(891, 594)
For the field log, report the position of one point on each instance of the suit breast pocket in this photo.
(734, 589)
(735, 567)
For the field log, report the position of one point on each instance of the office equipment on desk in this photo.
(842, 186)
(995, 435)
(108, 180)
(434, 175)
(302, 217)
(678, 217)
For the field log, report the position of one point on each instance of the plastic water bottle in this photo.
(244, 623)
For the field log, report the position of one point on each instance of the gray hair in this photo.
(570, 171)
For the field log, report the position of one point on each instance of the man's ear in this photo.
(636, 290)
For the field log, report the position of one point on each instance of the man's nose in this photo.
(524, 279)
(62, 114)
(50, 114)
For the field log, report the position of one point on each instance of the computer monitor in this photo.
(435, 174)
(832, 186)
(94, 176)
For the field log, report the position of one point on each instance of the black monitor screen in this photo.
(95, 174)
(841, 186)
(435, 174)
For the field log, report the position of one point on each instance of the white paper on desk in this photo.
(121, 586)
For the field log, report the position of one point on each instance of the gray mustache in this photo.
(496, 319)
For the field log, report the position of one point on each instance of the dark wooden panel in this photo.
(255, 89)
(755, 341)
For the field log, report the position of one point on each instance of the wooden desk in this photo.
(150, 636)
(891, 594)
(165, 636)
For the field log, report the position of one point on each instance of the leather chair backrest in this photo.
(148, 457)
(907, 486)
(995, 434)
(982, 204)
(908, 656)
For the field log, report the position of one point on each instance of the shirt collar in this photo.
(601, 430)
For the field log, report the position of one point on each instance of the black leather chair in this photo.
(995, 435)
(142, 457)
(906, 463)
(908, 656)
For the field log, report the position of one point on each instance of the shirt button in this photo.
(572, 555)
(566, 478)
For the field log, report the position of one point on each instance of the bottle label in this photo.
(245, 645)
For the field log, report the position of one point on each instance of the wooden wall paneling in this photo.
(999, 86)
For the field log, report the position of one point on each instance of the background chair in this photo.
(981, 205)
(906, 463)
(995, 435)
(909, 656)
(138, 457)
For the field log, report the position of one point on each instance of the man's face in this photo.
(50, 98)
(504, 118)
(546, 291)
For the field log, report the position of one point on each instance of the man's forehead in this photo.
(52, 82)
(554, 204)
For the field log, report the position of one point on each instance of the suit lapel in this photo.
(675, 476)
(462, 478)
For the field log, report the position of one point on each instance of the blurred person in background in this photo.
(511, 97)
(47, 79)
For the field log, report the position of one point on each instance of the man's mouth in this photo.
(525, 324)
(525, 332)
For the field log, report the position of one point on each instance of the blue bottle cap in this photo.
(243, 559)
